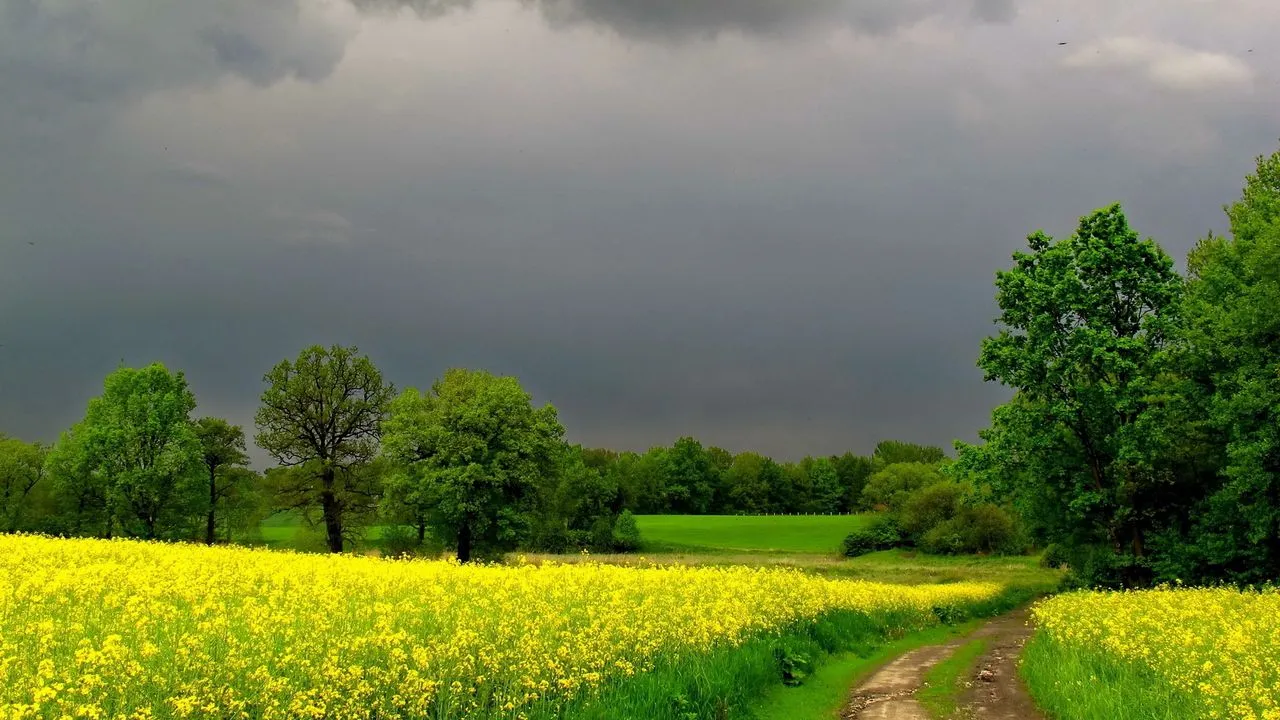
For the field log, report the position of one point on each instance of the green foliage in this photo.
(321, 416)
(890, 487)
(1228, 418)
(853, 472)
(982, 528)
(1084, 320)
(626, 533)
(892, 452)
(1054, 556)
(882, 533)
(135, 456)
(222, 450)
(478, 449)
(825, 493)
(1144, 438)
(1080, 684)
(689, 478)
(21, 472)
(930, 507)
(794, 665)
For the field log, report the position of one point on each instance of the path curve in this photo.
(994, 691)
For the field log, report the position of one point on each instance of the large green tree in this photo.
(137, 446)
(478, 450)
(853, 471)
(1228, 356)
(690, 478)
(321, 415)
(1084, 320)
(746, 484)
(222, 449)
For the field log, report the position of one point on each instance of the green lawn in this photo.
(815, 534)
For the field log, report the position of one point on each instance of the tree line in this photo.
(1143, 441)
(469, 463)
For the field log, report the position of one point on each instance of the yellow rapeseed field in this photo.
(104, 629)
(1220, 647)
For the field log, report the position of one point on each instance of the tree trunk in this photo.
(332, 513)
(210, 521)
(422, 531)
(464, 542)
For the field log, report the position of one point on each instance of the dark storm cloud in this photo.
(685, 18)
(780, 239)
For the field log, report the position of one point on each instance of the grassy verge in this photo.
(817, 534)
(1071, 683)
(826, 692)
(945, 682)
(748, 682)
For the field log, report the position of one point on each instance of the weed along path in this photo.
(985, 688)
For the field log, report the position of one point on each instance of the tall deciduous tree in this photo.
(1230, 356)
(21, 470)
(222, 449)
(138, 441)
(889, 452)
(1084, 319)
(321, 414)
(478, 449)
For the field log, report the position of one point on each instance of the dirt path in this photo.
(995, 691)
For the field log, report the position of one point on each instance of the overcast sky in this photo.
(771, 224)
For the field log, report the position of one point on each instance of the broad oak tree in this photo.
(321, 415)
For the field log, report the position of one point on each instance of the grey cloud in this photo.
(53, 54)
(688, 18)
(995, 11)
(1165, 63)
(780, 240)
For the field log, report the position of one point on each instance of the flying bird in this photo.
(1062, 43)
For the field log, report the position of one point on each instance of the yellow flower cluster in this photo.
(1220, 647)
(106, 629)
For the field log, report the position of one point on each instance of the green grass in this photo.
(290, 531)
(1070, 683)
(945, 682)
(819, 534)
(824, 693)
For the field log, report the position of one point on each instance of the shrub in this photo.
(930, 506)
(1054, 556)
(882, 533)
(983, 528)
(989, 529)
(626, 534)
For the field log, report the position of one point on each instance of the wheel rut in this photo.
(993, 692)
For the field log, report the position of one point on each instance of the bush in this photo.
(882, 533)
(930, 506)
(1054, 556)
(979, 529)
(626, 534)
(989, 529)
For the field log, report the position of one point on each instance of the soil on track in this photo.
(994, 691)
